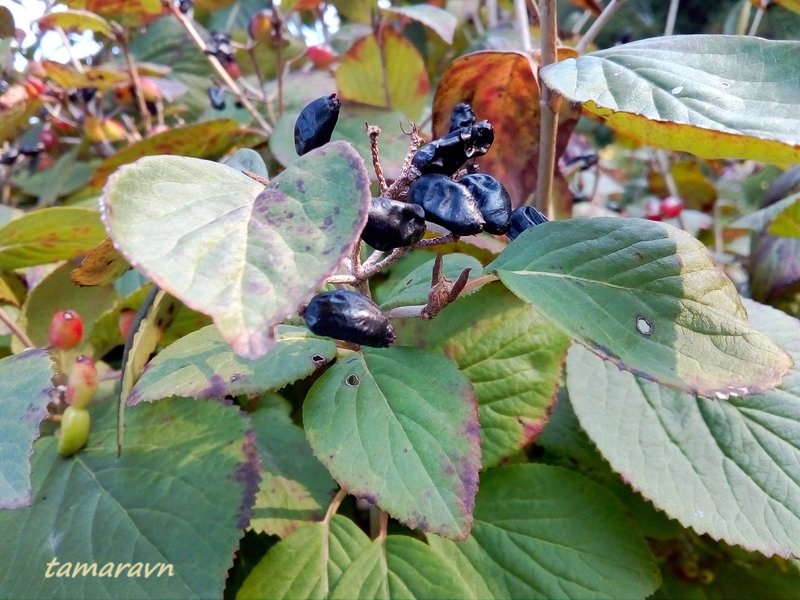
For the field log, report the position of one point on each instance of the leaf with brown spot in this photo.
(103, 264)
(403, 83)
(207, 139)
(502, 88)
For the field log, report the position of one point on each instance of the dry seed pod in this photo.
(315, 123)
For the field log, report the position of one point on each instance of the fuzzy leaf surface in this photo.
(399, 426)
(729, 469)
(647, 296)
(202, 365)
(712, 95)
(96, 507)
(246, 255)
(510, 353)
(307, 563)
(25, 389)
(547, 532)
(295, 488)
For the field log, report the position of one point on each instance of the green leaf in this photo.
(207, 139)
(386, 71)
(25, 391)
(306, 564)
(729, 469)
(398, 426)
(787, 222)
(202, 365)
(647, 296)
(441, 22)
(248, 160)
(295, 488)
(546, 532)
(401, 567)
(177, 498)
(510, 353)
(76, 20)
(413, 289)
(712, 95)
(49, 235)
(762, 218)
(67, 175)
(246, 255)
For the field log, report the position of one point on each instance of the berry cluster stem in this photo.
(15, 329)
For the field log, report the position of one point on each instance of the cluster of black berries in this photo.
(472, 203)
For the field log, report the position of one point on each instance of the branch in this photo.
(548, 103)
(217, 66)
(15, 329)
(598, 25)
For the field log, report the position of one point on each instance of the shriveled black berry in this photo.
(185, 6)
(315, 123)
(9, 157)
(447, 203)
(31, 148)
(462, 116)
(493, 201)
(349, 316)
(217, 98)
(524, 217)
(393, 224)
(221, 47)
(446, 155)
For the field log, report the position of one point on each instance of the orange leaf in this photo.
(592, 5)
(502, 88)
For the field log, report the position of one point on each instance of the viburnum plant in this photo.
(327, 336)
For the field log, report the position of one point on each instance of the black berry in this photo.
(349, 316)
(315, 123)
(524, 217)
(217, 97)
(462, 116)
(447, 203)
(493, 201)
(393, 224)
(446, 155)
(185, 6)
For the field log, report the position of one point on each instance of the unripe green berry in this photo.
(74, 430)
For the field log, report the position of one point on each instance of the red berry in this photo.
(126, 322)
(66, 330)
(652, 210)
(49, 139)
(232, 67)
(322, 56)
(670, 207)
(82, 382)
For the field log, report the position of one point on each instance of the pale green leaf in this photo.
(202, 365)
(440, 21)
(295, 488)
(25, 392)
(729, 469)
(647, 296)
(306, 564)
(48, 235)
(246, 255)
(398, 426)
(712, 95)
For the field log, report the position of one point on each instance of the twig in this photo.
(756, 20)
(669, 29)
(523, 28)
(548, 104)
(136, 84)
(15, 329)
(217, 66)
(334, 505)
(373, 131)
(581, 21)
(491, 13)
(598, 25)
(68, 46)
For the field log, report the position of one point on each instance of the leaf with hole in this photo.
(729, 469)
(647, 296)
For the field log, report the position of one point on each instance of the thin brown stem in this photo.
(334, 505)
(70, 53)
(217, 66)
(523, 29)
(672, 15)
(16, 329)
(373, 131)
(601, 21)
(548, 103)
(136, 83)
(756, 21)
